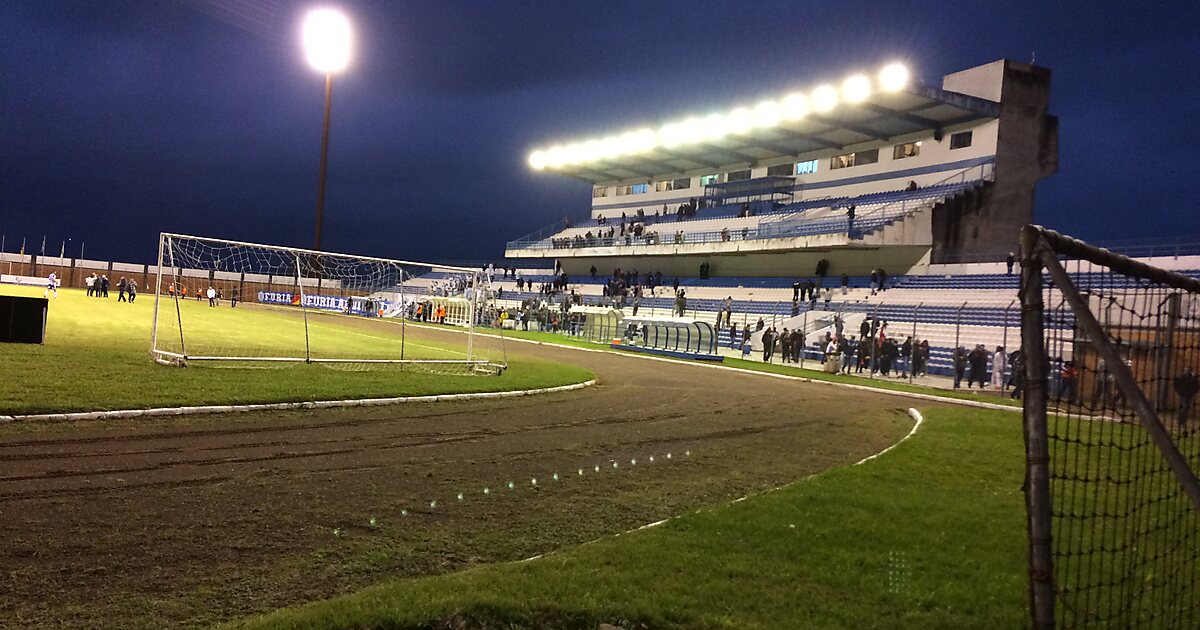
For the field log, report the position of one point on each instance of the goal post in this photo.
(1111, 349)
(308, 307)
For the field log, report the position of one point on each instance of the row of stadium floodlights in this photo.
(769, 113)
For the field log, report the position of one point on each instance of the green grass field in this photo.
(97, 358)
(930, 535)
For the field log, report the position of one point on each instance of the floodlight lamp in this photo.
(856, 89)
(642, 140)
(741, 120)
(691, 130)
(671, 135)
(715, 126)
(767, 114)
(327, 40)
(537, 160)
(893, 77)
(824, 98)
(795, 106)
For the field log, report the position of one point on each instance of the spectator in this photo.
(845, 284)
(121, 289)
(959, 361)
(977, 361)
(131, 287)
(768, 341)
(999, 361)
(1010, 261)
(1068, 377)
(211, 293)
(1186, 387)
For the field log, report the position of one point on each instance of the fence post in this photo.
(804, 328)
(912, 351)
(1037, 449)
(957, 331)
(874, 346)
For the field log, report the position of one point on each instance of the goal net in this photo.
(229, 301)
(1111, 348)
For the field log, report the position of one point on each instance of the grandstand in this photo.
(881, 176)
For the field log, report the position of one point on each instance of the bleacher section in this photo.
(726, 223)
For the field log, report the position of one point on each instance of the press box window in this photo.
(781, 170)
(906, 150)
(673, 184)
(737, 176)
(960, 140)
(705, 180)
(635, 189)
(599, 191)
(806, 168)
(858, 158)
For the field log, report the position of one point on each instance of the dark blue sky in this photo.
(120, 119)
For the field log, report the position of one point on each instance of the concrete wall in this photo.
(987, 227)
(850, 261)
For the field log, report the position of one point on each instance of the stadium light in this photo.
(795, 106)
(327, 40)
(739, 120)
(824, 98)
(326, 35)
(856, 89)
(893, 77)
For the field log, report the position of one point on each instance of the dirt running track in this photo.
(191, 521)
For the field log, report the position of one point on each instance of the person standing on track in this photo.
(211, 294)
(131, 288)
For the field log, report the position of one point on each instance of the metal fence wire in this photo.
(1111, 349)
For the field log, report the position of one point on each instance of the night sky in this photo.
(120, 119)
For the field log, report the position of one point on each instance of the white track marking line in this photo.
(318, 404)
(918, 420)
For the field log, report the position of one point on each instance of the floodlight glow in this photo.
(433, 504)
(714, 127)
(580, 472)
(824, 98)
(893, 77)
(692, 130)
(795, 106)
(597, 469)
(487, 491)
(856, 89)
(633, 462)
(740, 120)
(651, 459)
(533, 481)
(671, 135)
(510, 485)
(767, 114)
(556, 476)
(327, 40)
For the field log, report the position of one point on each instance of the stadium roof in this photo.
(828, 119)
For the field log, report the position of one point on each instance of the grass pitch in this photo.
(97, 358)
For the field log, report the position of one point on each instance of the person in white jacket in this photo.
(999, 360)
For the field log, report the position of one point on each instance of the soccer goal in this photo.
(1111, 348)
(229, 301)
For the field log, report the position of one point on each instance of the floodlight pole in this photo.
(324, 159)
